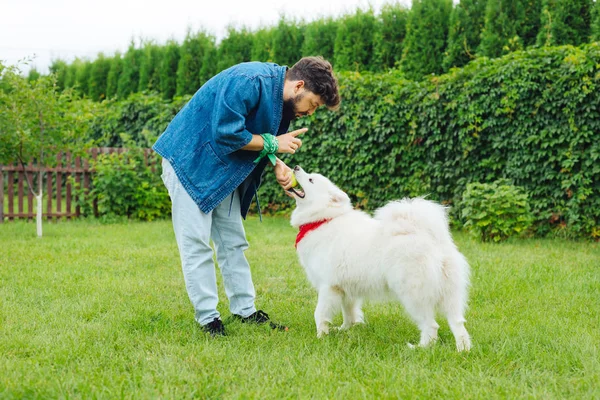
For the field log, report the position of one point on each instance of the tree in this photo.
(319, 38)
(70, 78)
(500, 34)
(33, 74)
(287, 42)
(595, 29)
(168, 70)
(37, 121)
(112, 80)
(59, 69)
(354, 42)
(531, 23)
(98, 79)
(192, 56)
(130, 74)
(390, 35)
(426, 38)
(83, 69)
(150, 67)
(466, 23)
(262, 45)
(234, 49)
(565, 22)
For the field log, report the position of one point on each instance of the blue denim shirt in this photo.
(203, 142)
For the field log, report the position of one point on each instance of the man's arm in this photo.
(257, 143)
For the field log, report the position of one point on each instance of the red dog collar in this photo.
(304, 229)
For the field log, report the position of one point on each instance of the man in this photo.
(214, 152)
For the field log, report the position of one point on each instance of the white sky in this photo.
(65, 29)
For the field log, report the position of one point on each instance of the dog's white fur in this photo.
(404, 252)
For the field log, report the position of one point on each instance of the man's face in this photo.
(304, 102)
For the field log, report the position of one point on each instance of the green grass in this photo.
(100, 311)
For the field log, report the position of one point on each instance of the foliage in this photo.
(152, 55)
(37, 121)
(168, 70)
(426, 38)
(130, 74)
(495, 211)
(595, 26)
(58, 68)
(531, 117)
(319, 38)
(234, 49)
(138, 120)
(529, 26)
(390, 35)
(100, 68)
(565, 22)
(112, 80)
(501, 31)
(262, 45)
(124, 186)
(431, 37)
(354, 42)
(466, 22)
(193, 53)
(287, 42)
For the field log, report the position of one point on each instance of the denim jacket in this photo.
(203, 142)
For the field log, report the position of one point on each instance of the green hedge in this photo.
(532, 117)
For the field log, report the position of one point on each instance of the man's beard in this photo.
(289, 108)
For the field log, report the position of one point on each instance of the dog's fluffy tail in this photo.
(413, 215)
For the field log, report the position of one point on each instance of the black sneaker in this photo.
(260, 317)
(215, 328)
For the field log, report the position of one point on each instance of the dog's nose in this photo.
(297, 168)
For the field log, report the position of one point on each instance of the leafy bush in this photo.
(137, 120)
(495, 211)
(531, 117)
(124, 186)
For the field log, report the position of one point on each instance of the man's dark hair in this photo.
(317, 74)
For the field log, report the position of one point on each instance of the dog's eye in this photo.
(310, 180)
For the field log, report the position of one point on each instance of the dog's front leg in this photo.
(328, 303)
(352, 312)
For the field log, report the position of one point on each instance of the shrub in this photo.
(124, 186)
(495, 211)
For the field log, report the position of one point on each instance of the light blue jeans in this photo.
(193, 232)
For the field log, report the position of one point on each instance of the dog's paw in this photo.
(411, 346)
(463, 344)
(322, 331)
(344, 327)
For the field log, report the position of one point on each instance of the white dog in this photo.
(404, 252)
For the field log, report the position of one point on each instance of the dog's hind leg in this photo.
(454, 300)
(328, 304)
(453, 307)
(424, 316)
(352, 312)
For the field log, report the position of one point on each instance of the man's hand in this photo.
(289, 142)
(283, 174)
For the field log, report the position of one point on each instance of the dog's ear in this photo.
(338, 197)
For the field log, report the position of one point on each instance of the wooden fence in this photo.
(58, 190)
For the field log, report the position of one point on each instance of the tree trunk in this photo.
(39, 199)
(38, 217)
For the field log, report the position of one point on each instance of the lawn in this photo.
(100, 311)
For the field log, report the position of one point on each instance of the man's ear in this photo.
(299, 85)
(338, 197)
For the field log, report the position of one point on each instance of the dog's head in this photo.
(317, 198)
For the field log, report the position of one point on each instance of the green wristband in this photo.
(269, 149)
